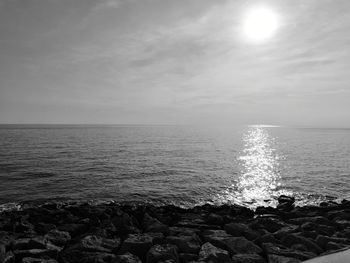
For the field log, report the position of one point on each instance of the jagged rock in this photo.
(292, 239)
(270, 224)
(152, 224)
(182, 231)
(35, 253)
(322, 241)
(215, 219)
(162, 252)
(281, 250)
(209, 235)
(9, 257)
(126, 224)
(282, 259)
(137, 244)
(29, 243)
(238, 229)
(333, 246)
(97, 244)
(58, 238)
(74, 256)
(126, 258)
(73, 229)
(286, 199)
(187, 257)
(320, 229)
(236, 245)
(247, 258)
(185, 244)
(285, 231)
(321, 220)
(43, 228)
(38, 260)
(212, 254)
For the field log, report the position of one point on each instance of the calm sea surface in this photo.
(180, 165)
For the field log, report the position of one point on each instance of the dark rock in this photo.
(209, 235)
(238, 229)
(286, 207)
(182, 231)
(187, 257)
(73, 229)
(29, 243)
(247, 258)
(286, 199)
(322, 241)
(321, 220)
(236, 245)
(320, 229)
(57, 237)
(334, 246)
(38, 260)
(152, 224)
(97, 244)
(125, 224)
(282, 259)
(215, 219)
(185, 244)
(35, 253)
(212, 254)
(162, 252)
(43, 228)
(270, 224)
(9, 257)
(285, 231)
(281, 250)
(137, 244)
(292, 239)
(126, 258)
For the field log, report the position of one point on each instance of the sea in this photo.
(173, 164)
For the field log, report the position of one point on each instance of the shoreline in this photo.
(109, 232)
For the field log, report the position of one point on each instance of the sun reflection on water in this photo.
(259, 179)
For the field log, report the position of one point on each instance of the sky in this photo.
(173, 62)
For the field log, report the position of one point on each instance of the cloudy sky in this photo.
(165, 61)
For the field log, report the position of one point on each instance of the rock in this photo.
(320, 229)
(43, 228)
(35, 253)
(321, 220)
(182, 231)
(238, 229)
(97, 244)
(292, 239)
(161, 253)
(58, 238)
(212, 254)
(209, 235)
(247, 258)
(73, 229)
(187, 257)
(270, 224)
(322, 241)
(137, 244)
(126, 224)
(9, 257)
(126, 258)
(38, 260)
(286, 199)
(285, 207)
(282, 259)
(236, 245)
(29, 243)
(185, 244)
(74, 256)
(285, 231)
(215, 219)
(281, 250)
(152, 224)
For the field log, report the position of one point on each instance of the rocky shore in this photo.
(86, 233)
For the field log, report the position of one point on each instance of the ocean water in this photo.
(182, 165)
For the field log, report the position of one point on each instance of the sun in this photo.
(260, 24)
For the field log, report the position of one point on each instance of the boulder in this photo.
(125, 223)
(185, 244)
(57, 237)
(152, 224)
(286, 199)
(162, 253)
(187, 257)
(38, 260)
(282, 259)
(209, 235)
(212, 254)
(137, 244)
(126, 258)
(238, 229)
(236, 245)
(247, 258)
(215, 219)
(280, 250)
(292, 239)
(73, 229)
(182, 231)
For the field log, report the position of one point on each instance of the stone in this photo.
(74, 256)
(125, 224)
(247, 258)
(236, 245)
(38, 260)
(187, 257)
(73, 229)
(182, 231)
(152, 224)
(35, 253)
(126, 258)
(209, 235)
(185, 244)
(57, 237)
(292, 239)
(333, 246)
(321, 220)
(94, 243)
(29, 243)
(215, 219)
(137, 244)
(281, 250)
(212, 254)
(161, 253)
(286, 199)
(320, 229)
(282, 259)
(238, 229)
(269, 223)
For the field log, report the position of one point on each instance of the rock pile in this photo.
(112, 233)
